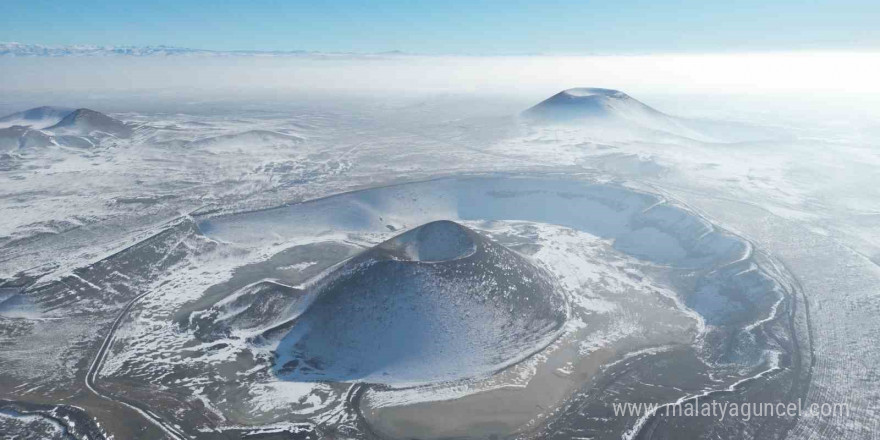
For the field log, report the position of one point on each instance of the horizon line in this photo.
(37, 50)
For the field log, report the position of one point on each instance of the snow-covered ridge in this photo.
(38, 117)
(43, 126)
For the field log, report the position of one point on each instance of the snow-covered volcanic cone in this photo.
(610, 111)
(437, 303)
(85, 122)
(580, 103)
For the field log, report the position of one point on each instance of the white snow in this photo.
(808, 198)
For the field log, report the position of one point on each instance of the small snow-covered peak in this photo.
(84, 114)
(85, 121)
(609, 110)
(441, 240)
(585, 102)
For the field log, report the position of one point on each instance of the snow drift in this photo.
(437, 303)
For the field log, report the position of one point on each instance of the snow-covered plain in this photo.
(695, 255)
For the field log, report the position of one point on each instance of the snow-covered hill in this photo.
(608, 109)
(19, 137)
(439, 302)
(39, 117)
(250, 311)
(44, 126)
(579, 103)
(85, 122)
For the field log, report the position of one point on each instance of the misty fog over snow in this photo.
(217, 245)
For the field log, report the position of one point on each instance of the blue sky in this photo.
(451, 26)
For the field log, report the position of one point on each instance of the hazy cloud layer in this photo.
(830, 72)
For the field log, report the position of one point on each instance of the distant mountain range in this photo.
(37, 50)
